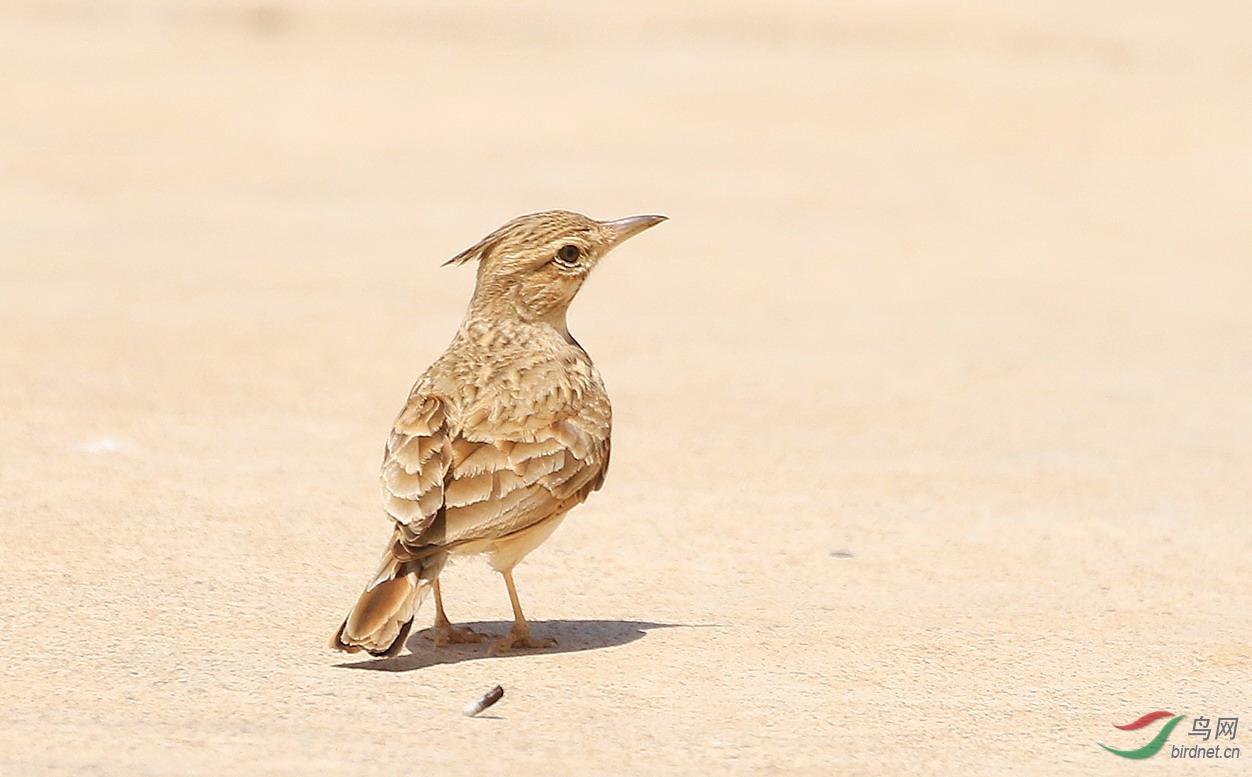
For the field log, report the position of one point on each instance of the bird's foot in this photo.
(443, 636)
(521, 640)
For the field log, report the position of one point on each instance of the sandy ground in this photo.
(933, 442)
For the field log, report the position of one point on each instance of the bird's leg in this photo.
(519, 635)
(445, 632)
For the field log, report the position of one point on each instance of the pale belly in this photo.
(504, 553)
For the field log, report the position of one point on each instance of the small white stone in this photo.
(101, 446)
(478, 705)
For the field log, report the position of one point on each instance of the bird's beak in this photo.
(631, 226)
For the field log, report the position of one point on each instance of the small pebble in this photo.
(101, 446)
(841, 554)
(478, 705)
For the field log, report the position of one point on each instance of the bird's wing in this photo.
(446, 489)
(416, 463)
(498, 487)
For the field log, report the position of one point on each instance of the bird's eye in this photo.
(568, 254)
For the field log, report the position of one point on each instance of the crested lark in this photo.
(501, 436)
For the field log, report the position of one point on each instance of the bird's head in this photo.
(532, 267)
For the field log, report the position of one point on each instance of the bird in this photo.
(500, 437)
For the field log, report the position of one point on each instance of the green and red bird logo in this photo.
(1158, 741)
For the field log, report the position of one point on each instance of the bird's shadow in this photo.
(571, 637)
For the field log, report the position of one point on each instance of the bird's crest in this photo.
(533, 226)
(478, 250)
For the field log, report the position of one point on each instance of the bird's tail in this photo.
(381, 619)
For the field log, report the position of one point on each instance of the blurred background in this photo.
(957, 289)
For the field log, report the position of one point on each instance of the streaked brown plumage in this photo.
(501, 436)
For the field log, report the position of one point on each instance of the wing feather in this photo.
(416, 462)
(467, 491)
(445, 488)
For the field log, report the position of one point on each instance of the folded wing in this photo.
(444, 489)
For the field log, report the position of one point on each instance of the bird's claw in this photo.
(521, 641)
(455, 635)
